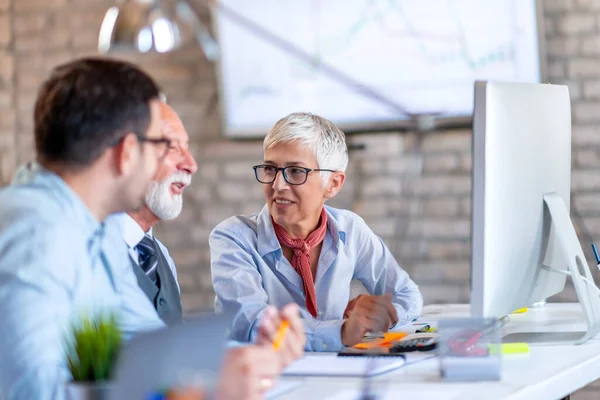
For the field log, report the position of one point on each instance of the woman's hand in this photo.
(368, 314)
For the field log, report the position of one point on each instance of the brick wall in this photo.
(7, 93)
(412, 189)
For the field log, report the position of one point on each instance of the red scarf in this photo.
(301, 258)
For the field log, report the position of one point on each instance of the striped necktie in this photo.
(148, 259)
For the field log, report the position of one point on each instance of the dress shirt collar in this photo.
(131, 231)
(267, 240)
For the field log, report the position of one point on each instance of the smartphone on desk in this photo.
(379, 352)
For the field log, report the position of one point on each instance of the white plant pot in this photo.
(89, 390)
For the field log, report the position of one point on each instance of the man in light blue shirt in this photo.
(97, 135)
(299, 250)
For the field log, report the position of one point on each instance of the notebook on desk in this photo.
(332, 365)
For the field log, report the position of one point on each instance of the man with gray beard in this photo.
(153, 266)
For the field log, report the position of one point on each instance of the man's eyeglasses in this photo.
(162, 144)
(293, 175)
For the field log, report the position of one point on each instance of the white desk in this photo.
(548, 372)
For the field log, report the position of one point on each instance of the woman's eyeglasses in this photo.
(293, 175)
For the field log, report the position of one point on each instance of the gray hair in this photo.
(327, 141)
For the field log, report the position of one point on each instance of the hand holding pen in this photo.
(284, 332)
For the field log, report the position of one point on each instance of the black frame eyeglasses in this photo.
(294, 175)
(156, 141)
(164, 142)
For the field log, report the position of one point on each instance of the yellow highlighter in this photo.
(509, 348)
(280, 335)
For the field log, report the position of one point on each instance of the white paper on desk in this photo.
(400, 392)
(281, 387)
(332, 365)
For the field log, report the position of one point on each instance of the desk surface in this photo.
(548, 372)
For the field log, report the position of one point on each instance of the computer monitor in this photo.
(523, 244)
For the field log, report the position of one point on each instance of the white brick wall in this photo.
(576, 23)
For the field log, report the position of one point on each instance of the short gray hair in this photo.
(327, 141)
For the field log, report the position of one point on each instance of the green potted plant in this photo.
(92, 352)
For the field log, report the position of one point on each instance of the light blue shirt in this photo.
(57, 263)
(250, 272)
(133, 234)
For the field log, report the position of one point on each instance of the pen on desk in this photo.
(596, 255)
(280, 335)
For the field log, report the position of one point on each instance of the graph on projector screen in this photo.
(421, 55)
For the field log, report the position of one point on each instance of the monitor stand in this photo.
(578, 270)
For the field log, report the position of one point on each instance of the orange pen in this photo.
(280, 334)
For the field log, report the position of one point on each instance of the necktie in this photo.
(301, 258)
(148, 259)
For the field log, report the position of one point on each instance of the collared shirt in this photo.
(133, 234)
(57, 264)
(250, 272)
(129, 229)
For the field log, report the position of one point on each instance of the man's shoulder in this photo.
(36, 236)
(29, 203)
(32, 217)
